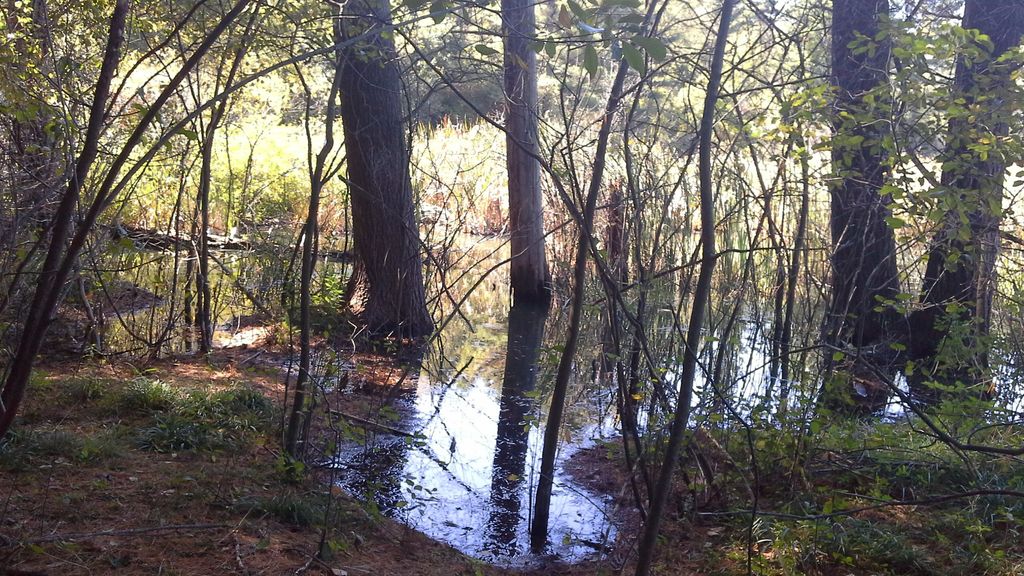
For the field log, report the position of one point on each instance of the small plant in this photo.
(56, 444)
(15, 449)
(85, 390)
(172, 432)
(145, 396)
(295, 509)
(102, 446)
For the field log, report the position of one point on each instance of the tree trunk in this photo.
(298, 420)
(949, 339)
(864, 248)
(585, 221)
(701, 295)
(388, 280)
(530, 279)
(66, 239)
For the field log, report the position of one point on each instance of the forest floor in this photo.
(119, 469)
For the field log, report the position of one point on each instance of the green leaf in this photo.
(485, 49)
(654, 47)
(634, 58)
(590, 60)
(439, 10)
(895, 223)
(837, 356)
(578, 10)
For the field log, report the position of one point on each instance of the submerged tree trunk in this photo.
(864, 274)
(950, 334)
(530, 279)
(387, 286)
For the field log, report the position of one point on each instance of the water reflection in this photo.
(525, 335)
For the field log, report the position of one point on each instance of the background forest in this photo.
(777, 242)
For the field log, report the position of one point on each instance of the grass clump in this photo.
(174, 432)
(297, 509)
(23, 447)
(202, 421)
(85, 390)
(144, 396)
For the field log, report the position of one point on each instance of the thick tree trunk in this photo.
(864, 249)
(949, 339)
(388, 286)
(530, 278)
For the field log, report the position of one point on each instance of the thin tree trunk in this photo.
(64, 247)
(205, 298)
(56, 267)
(539, 527)
(694, 332)
(294, 440)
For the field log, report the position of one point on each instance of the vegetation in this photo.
(771, 250)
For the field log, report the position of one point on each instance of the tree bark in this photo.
(949, 339)
(387, 285)
(530, 279)
(864, 248)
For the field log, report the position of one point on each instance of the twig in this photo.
(305, 566)
(238, 557)
(126, 532)
(886, 504)
(363, 422)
